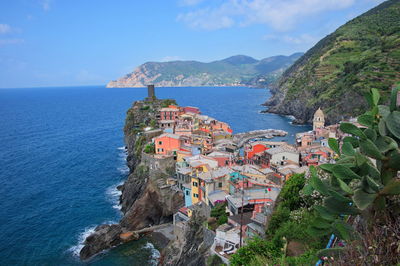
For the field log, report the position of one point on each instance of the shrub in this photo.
(150, 148)
(255, 247)
(214, 260)
(290, 193)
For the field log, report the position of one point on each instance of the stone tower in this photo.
(319, 119)
(150, 92)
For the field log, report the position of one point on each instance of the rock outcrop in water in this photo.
(146, 198)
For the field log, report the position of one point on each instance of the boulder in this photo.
(104, 237)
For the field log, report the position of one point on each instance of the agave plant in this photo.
(364, 176)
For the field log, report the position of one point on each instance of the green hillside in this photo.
(334, 74)
(237, 70)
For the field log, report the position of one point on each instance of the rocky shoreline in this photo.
(146, 199)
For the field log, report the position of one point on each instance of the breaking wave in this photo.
(155, 254)
(81, 239)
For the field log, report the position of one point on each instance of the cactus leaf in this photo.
(392, 188)
(318, 185)
(327, 167)
(344, 173)
(360, 159)
(393, 123)
(370, 149)
(363, 199)
(376, 186)
(385, 144)
(324, 212)
(370, 133)
(314, 231)
(334, 145)
(307, 190)
(384, 110)
(344, 186)
(354, 141)
(366, 120)
(394, 161)
(343, 229)
(347, 149)
(339, 196)
(338, 207)
(321, 223)
(352, 129)
(382, 127)
(393, 98)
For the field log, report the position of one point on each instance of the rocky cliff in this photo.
(146, 198)
(237, 70)
(192, 243)
(335, 73)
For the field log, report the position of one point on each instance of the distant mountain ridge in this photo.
(362, 54)
(239, 70)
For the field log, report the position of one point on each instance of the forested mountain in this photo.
(335, 73)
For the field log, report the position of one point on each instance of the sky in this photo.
(90, 42)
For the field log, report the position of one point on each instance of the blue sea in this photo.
(61, 158)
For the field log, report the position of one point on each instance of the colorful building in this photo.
(169, 113)
(191, 109)
(167, 143)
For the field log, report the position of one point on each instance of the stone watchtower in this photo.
(151, 95)
(319, 119)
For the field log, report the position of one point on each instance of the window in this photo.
(195, 184)
(195, 195)
(160, 143)
(220, 184)
(187, 193)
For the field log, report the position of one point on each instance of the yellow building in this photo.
(319, 119)
(195, 189)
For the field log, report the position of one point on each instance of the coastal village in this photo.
(235, 183)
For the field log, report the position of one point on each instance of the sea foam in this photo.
(81, 239)
(113, 195)
(75, 250)
(155, 254)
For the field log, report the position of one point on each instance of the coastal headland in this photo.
(197, 187)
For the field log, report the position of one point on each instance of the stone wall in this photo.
(159, 164)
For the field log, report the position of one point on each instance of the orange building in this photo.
(167, 143)
(254, 149)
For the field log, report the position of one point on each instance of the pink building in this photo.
(191, 109)
(170, 113)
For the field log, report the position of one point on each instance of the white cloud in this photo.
(170, 58)
(46, 5)
(5, 28)
(11, 41)
(281, 15)
(303, 39)
(212, 18)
